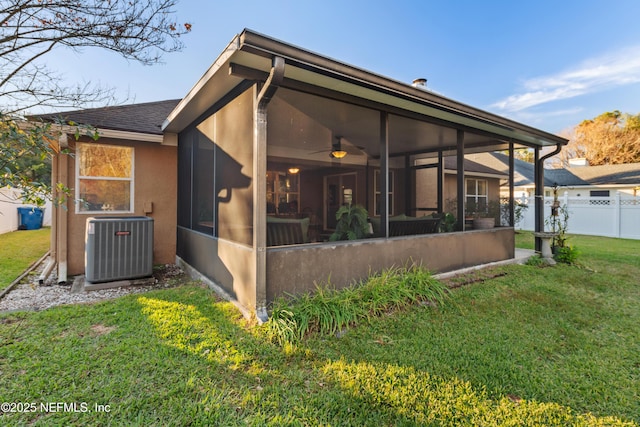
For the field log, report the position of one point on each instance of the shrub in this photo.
(537, 261)
(566, 254)
(328, 310)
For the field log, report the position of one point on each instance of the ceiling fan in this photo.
(340, 148)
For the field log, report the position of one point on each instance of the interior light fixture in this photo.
(294, 170)
(336, 149)
(338, 154)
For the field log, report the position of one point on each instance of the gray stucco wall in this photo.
(229, 265)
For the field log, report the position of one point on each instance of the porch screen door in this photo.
(338, 190)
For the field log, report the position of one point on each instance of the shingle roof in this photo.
(450, 163)
(145, 117)
(524, 173)
(625, 174)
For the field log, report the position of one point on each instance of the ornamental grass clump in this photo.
(328, 310)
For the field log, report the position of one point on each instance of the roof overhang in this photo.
(253, 53)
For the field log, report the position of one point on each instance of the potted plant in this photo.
(352, 223)
(447, 222)
(482, 215)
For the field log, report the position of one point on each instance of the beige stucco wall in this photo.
(296, 269)
(155, 181)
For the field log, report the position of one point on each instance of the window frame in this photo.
(78, 178)
(477, 196)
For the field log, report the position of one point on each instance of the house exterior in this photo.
(130, 170)
(293, 136)
(577, 180)
(247, 172)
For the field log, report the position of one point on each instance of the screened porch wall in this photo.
(215, 197)
(215, 158)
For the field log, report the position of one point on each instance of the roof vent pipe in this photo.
(420, 83)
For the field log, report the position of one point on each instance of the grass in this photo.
(18, 250)
(330, 311)
(520, 345)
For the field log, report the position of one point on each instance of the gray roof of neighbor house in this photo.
(145, 117)
(471, 167)
(624, 174)
(523, 174)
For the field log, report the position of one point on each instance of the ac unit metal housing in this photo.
(118, 248)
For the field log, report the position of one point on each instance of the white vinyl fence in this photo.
(10, 201)
(617, 216)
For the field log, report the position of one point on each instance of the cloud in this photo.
(616, 69)
(543, 115)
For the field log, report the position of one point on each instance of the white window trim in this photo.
(78, 200)
(476, 196)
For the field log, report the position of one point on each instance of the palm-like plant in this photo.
(352, 223)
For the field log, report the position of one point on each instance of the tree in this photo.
(610, 138)
(140, 30)
(21, 158)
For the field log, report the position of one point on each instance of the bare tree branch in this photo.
(141, 30)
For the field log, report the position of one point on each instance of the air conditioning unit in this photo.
(118, 248)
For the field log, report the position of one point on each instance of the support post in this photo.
(440, 182)
(539, 197)
(410, 188)
(384, 173)
(511, 186)
(460, 176)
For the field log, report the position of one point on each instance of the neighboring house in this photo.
(576, 180)
(598, 181)
(482, 185)
(271, 142)
(130, 170)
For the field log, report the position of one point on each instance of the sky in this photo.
(547, 64)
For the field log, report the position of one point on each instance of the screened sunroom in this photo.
(275, 141)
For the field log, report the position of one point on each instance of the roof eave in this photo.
(257, 50)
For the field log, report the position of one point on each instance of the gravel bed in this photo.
(29, 295)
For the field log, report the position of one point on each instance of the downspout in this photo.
(61, 220)
(539, 204)
(53, 243)
(260, 185)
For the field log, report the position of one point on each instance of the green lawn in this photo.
(525, 346)
(18, 250)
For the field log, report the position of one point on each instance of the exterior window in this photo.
(104, 178)
(477, 195)
(283, 193)
(378, 198)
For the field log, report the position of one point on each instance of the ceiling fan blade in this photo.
(321, 151)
